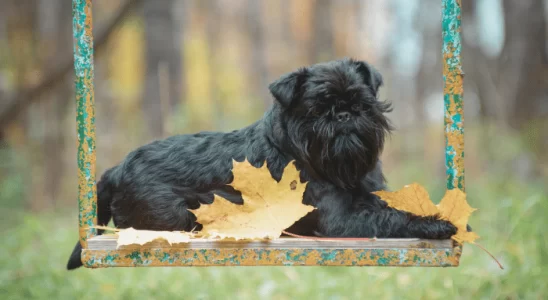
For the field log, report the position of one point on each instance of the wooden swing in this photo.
(101, 251)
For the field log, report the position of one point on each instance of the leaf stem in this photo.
(492, 256)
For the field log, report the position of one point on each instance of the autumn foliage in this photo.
(270, 207)
(453, 207)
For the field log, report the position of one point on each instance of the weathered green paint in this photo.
(85, 117)
(141, 257)
(166, 257)
(453, 93)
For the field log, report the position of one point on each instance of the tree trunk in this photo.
(513, 86)
(259, 69)
(21, 42)
(56, 37)
(429, 79)
(212, 12)
(322, 40)
(524, 59)
(163, 64)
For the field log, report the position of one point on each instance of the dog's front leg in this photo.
(343, 214)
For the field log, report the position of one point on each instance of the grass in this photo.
(511, 224)
(511, 220)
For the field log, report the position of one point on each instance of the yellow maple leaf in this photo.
(131, 236)
(412, 198)
(453, 207)
(269, 206)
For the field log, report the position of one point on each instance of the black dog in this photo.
(326, 118)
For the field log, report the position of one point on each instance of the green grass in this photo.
(512, 219)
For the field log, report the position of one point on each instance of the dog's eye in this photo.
(357, 107)
(315, 112)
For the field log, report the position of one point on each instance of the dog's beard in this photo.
(340, 152)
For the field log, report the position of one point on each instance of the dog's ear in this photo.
(370, 75)
(287, 87)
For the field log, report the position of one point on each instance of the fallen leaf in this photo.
(453, 207)
(269, 207)
(130, 236)
(412, 198)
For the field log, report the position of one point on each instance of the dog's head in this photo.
(332, 119)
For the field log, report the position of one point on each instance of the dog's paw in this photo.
(446, 231)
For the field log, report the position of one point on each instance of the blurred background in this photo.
(166, 67)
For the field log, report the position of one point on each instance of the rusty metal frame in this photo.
(82, 26)
(196, 257)
(453, 77)
(236, 256)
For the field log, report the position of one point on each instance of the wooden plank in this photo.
(102, 253)
(108, 242)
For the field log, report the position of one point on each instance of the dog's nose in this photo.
(343, 116)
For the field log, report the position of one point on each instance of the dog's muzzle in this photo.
(343, 116)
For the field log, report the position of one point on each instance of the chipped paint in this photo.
(85, 117)
(164, 257)
(150, 257)
(453, 77)
(453, 94)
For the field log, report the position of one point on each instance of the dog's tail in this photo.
(104, 198)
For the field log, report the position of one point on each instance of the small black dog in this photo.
(326, 118)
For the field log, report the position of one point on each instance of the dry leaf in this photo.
(269, 206)
(132, 236)
(453, 207)
(412, 198)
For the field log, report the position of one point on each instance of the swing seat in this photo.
(102, 252)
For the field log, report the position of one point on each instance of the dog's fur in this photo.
(326, 118)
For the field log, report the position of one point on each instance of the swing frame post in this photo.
(453, 101)
(82, 26)
(101, 251)
(453, 78)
